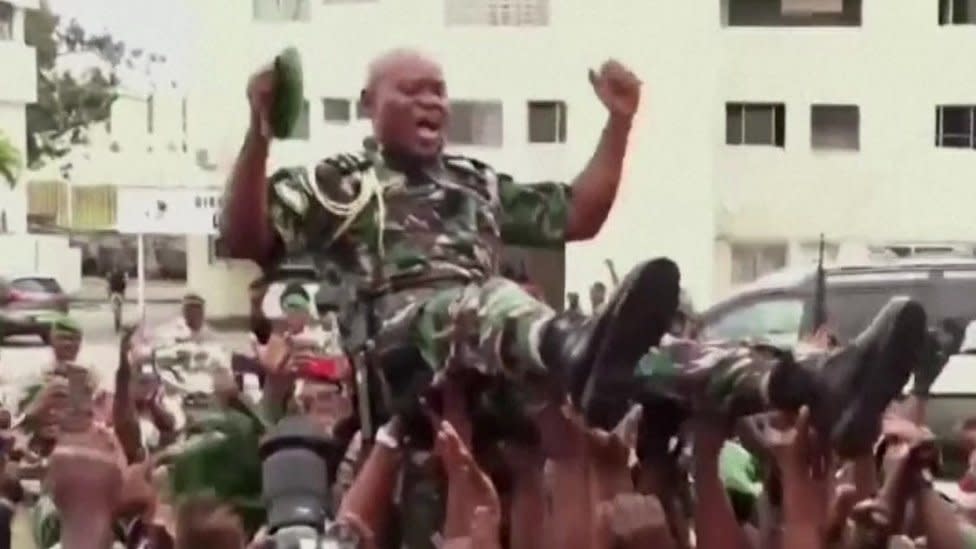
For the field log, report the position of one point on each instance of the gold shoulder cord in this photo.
(369, 187)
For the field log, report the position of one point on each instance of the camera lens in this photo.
(295, 474)
(295, 487)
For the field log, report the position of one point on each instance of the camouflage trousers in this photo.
(503, 324)
(719, 379)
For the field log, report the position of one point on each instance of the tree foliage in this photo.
(10, 161)
(70, 101)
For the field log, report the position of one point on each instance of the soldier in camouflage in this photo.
(428, 227)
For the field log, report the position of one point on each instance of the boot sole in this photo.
(643, 308)
(890, 364)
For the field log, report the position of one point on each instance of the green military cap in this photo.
(65, 326)
(193, 299)
(295, 298)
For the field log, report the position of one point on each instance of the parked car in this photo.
(779, 308)
(27, 304)
(952, 403)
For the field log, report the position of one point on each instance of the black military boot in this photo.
(608, 345)
(847, 390)
(865, 377)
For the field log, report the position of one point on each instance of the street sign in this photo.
(176, 211)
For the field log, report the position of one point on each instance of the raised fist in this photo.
(618, 88)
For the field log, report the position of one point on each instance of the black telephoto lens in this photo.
(294, 475)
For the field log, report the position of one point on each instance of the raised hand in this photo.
(260, 96)
(635, 521)
(469, 488)
(86, 472)
(618, 88)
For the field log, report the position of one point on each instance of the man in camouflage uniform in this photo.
(428, 227)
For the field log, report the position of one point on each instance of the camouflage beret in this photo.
(64, 325)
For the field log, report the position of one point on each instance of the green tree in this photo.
(68, 103)
(9, 161)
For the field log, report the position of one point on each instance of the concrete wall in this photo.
(223, 283)
(899, 185)
(43, 254)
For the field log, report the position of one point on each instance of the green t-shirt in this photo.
(739, 470)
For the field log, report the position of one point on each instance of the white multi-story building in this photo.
(764, 123)
(18, 88)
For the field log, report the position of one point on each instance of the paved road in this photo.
(23, 356)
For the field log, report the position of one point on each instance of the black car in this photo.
(779, 308)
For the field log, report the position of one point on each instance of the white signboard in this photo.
(179, 211)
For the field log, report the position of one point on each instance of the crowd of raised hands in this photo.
(578, 488)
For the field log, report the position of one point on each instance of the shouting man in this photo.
(430, 226)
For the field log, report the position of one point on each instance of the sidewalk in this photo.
(95, 290)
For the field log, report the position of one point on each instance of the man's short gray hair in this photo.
(379, 66)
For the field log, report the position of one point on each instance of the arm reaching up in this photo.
(614, 278)
(243, 222)
(595, 188)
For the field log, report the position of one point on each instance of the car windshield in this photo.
(36, 285)
(776, 321)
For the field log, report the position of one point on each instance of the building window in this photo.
(954, 126)
(957, 12)
(791, 13)
(281, 10)
(501, 13)
(835, 127)
(336, 110)
(755, 124)
(547, 122)
(475, 123)
(6, 21)
(751, 261)
(302, 129)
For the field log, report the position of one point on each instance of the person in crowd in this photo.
(260, 324)
(573, 309)
(192, 326)
(37, 404)
(598, 297)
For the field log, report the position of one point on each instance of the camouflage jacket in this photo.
(433, 224)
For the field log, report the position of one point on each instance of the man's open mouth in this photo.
(429, 129)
